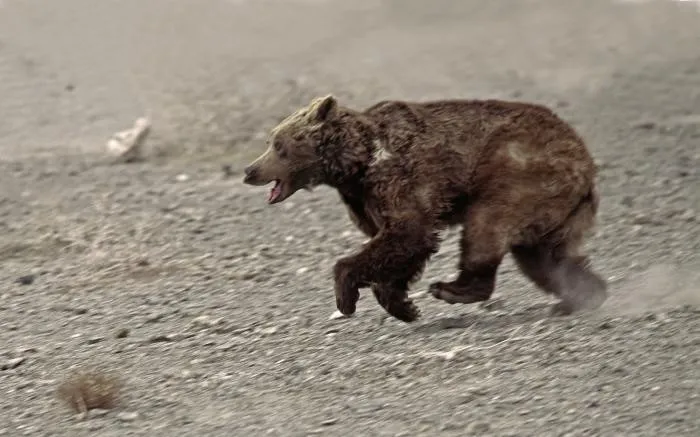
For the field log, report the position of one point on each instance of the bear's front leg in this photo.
(394, 299)
(395, 256)
(347, 289)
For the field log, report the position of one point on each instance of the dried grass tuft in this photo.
(89, 390)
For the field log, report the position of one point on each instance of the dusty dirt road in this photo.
(214, 307)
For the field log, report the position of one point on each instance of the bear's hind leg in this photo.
(555, 265)
(484, 243)
(566, 276)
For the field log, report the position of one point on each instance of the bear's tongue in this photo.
(275, 192)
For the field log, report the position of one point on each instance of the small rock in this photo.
(12, 363)
(127, 144)
(269, 331)
(689, 216)
(605, 325)
(128, 416)
(155, 318)
(449, 426)
(478, 428)
(338, 315)
(453, 323)
(94, 340)
(642, 219)
(207, 322)
(447, 356)
(644, 125)
(98, 412)
(248, 275)
(302, 270)
(122, 333)
(492, 305)
(329, 422)
(161, 338)
(370, 408)
(466, 399)
(627, 201)
(182, 178)
(26, 279)
(418, 294)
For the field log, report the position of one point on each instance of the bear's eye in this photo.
(278, 148)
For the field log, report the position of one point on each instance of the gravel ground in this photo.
(214, 307)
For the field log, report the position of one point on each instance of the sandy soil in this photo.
(214, 307)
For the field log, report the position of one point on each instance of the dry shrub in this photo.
(89, 390)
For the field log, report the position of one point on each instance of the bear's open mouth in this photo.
(275, 192)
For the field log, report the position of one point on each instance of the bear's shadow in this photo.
(486, 320)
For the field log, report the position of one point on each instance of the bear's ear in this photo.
(324, 108)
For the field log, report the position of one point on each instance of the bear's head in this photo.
(312, 146)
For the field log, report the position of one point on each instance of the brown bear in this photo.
(514, 175)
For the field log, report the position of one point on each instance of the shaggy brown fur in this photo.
(516, 177)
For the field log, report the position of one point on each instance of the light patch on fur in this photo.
(380, 153)
(424, 196)
(517, 154)
(301, 117)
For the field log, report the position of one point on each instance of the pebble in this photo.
(26, 279)
(12, 363)
(269, 331)
(207, 321)
(338, 315)
(418, 294)
(182, 178)
(450, 426)
(492, 305)
(329, 422)
(122, 333)
(227, 170)
(98, 412)
(605, 325)
(644, 125)
(128, 416)
(689, 216)
(161, 338)
(155, 318)
(478, 428)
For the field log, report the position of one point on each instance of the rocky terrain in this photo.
(214, 307)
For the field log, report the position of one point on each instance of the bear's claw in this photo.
(406, 310)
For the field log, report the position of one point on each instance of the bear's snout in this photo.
(251, 173)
